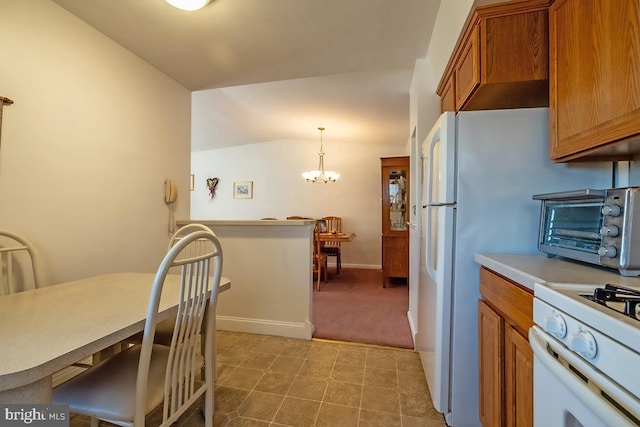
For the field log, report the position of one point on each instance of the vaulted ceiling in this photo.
(266, 70)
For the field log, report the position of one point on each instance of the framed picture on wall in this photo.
(243, 189)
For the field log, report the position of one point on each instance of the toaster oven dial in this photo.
(609, 230)
(608, 251)
(613, 210)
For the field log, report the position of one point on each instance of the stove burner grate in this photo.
(618, 298)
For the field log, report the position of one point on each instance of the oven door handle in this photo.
(539, 340)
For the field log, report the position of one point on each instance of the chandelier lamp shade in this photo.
(189, 5)
(321, 175)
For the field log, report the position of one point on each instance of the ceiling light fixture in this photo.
(188, 4)
(321, 175)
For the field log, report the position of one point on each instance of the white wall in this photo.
(424, 110)
(275, 168)
(452, 15)
(86, 147)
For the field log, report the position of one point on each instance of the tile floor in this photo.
(276, 381)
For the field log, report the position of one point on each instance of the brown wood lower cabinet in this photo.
(505, 314)
(395, 259)
(491, 330)
(518, 370)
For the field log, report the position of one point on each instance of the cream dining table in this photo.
(45, 330)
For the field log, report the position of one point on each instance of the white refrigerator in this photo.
(480, 170)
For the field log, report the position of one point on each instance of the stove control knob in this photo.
(555, 325)
(608, 251)
(613, 210)
(584, 343)
(609, 230)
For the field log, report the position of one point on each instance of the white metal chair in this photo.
(164, 329)
(124, 388)
(19, 272)
(197, 246)
(18, 268)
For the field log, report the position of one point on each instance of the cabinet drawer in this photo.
(509, 299)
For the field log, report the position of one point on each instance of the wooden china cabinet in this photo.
(395, 214)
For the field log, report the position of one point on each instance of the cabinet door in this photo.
(490, 356)
(514, 48)
(467, 70)
(448, 96)
(594, 51)
(518, 380)
(395, 256)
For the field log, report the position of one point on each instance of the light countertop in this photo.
(528, 269)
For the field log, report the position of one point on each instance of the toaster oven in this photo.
(596, 226)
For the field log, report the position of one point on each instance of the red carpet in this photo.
(353, 306)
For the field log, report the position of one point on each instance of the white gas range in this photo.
(586, 344)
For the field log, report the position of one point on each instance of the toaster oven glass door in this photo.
(573, 225)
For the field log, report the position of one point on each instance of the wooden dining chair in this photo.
(334, 223)
(124, 388)
(320, 267)
(18, 264)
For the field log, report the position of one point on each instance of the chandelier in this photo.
(321, 175)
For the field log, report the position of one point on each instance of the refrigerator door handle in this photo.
(431, 269)
(437, 205)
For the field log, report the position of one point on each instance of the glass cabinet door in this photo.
(397, 199)
(395, 194)
(395, 174)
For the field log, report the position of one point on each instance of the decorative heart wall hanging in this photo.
(212, 183)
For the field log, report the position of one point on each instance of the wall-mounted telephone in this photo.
(170, 197)
(170, 191)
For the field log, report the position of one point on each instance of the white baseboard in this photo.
(302, 330)
(412, 328)
(363, 266)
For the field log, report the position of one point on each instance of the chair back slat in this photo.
(334, 223)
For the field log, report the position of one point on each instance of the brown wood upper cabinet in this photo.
(501, 59)
(594, 79)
